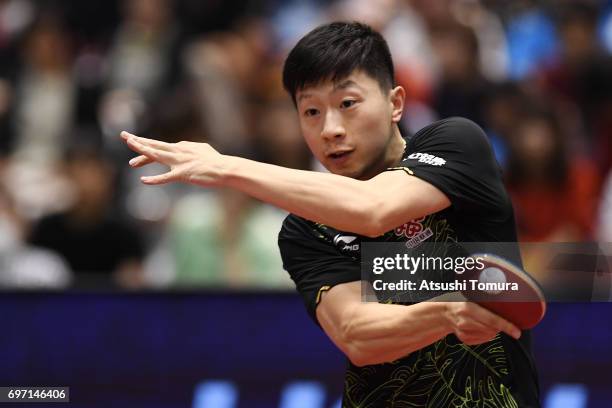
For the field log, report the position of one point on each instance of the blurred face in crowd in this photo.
(351, 125)
(280, 134)
(456, 49)
(578, 40)
(148, 13)
(541, 151)
(93, 180)
(47, 48)
(536, 141)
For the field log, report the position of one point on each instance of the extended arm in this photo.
(373, 333)
(362, 207)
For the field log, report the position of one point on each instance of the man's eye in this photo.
(348, 103)
(310, 112)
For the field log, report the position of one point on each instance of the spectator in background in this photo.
(503, 109)
(225, 68)
(489, 31)
(462, 88)
(143, 65)
(580, 82)
(24, 266)
(226, 239)
(51, 95)
(554, 194)
(45, 101)
(45, 94)
(278, 136)
(144, 52)
(88, 235)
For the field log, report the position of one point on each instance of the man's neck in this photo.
(396, 149)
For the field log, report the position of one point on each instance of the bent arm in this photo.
(368, 208)
(374, 333)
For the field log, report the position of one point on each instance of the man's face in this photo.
(349, 124)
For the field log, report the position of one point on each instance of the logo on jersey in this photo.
(414, 231)
(428, 159)
(345, 242)
(411, 228)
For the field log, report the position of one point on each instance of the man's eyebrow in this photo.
(303, 96)
(345, 84)
(337, 86)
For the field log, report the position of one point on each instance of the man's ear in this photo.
(397, 98)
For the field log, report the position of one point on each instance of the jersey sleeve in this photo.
(314, 264)
(455, 156)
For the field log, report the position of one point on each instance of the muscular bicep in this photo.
(405, 197)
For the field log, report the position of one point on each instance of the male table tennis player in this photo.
(380, 187)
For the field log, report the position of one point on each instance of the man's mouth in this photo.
(339, 153)
(339, 156)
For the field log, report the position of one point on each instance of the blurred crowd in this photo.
(536, 75)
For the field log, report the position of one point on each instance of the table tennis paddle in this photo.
(525, 306)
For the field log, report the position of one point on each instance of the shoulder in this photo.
(455, 155)
(455, 129)
(460, 122)
(454, 122)
(454, 138)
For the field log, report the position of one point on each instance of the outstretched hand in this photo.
(189, 162)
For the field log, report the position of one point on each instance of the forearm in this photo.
(341, 202)
(377, 333)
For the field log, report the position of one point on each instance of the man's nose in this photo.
(333, 127)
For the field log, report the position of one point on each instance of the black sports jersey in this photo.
(454, 155)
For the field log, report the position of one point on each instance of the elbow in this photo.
(367, 214)
(374, 218)
(372, 229)
(377, 224)
(356, 349)
(361, 355)
(363, 347)
(357, 353)
(361, 358)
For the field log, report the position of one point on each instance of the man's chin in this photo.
(346, 172)
(352, 170)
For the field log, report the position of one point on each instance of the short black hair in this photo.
(333, 51)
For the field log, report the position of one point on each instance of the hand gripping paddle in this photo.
(496, 278)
